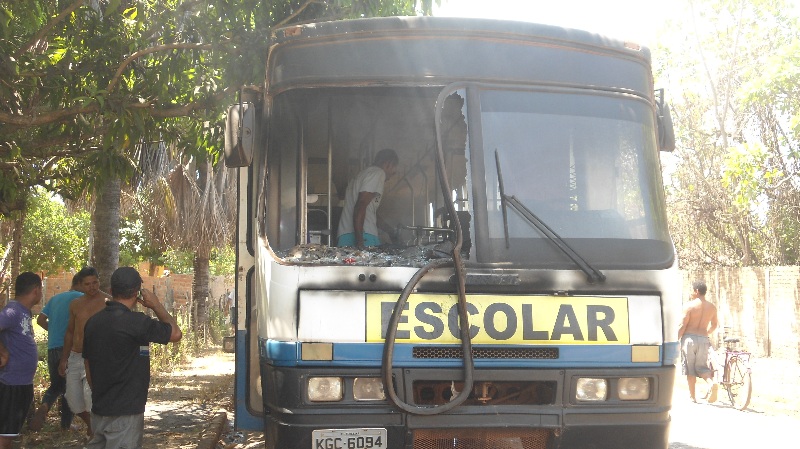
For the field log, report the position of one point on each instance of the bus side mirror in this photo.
(240, 135)
(666, 131)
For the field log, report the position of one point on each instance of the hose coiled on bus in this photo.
(458, 267)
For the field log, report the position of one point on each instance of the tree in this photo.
(55, 239)
(734, 191)
(85, 76)
(193, 209)
(83, 82)
(12, 253)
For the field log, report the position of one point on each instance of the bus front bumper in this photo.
(294, 423)
(640, 431)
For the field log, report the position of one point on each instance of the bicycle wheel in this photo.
(739, 385)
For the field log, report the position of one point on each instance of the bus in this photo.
(525, 293)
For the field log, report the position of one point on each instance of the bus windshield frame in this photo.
(592, 152)
(583, 161)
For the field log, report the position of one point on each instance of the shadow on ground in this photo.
(180, 406)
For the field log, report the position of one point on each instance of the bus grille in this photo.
(440, 392)
(455, 352)
(481, 438)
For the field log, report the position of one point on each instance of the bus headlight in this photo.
(324, 389)
(589, 389)
(368, 389)
(634, 388)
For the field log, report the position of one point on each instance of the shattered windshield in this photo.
(585, 164)
(322, 140)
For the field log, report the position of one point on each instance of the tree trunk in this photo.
(106, 230)
(16, 245)
(13, 259)
(200, 289)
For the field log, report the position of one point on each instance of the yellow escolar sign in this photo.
(431, 318)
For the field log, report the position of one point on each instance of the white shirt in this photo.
(371, 179)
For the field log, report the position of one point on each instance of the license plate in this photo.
(349, 439)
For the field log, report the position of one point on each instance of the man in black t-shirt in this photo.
(116, 352)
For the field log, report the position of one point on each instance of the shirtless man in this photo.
(79, 394)
(699, 322)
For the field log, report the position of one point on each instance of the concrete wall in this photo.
(761, 305)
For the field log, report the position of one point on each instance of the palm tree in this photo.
(105, 227)
(190, 207)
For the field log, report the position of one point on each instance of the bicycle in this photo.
(736, 374)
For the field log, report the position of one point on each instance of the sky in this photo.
(628, 20)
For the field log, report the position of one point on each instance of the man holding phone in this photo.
(116, 353)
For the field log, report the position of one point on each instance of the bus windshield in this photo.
(584, 163)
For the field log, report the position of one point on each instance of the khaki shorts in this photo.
(79, 395)
(694, 349)
(117, 431)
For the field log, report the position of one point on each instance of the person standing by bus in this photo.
(116, 354)
(358, 225)
(699, 322)
(18, 356)
(79, 395)
(54, 319)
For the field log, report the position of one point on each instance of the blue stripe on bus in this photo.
(281, 353)
(672, 353)
(244, 419)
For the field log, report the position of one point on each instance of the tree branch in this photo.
(30, 154)
(149, 50)
(48, 117)
(186, 109)
(27, 121)
(52, 23)
(299, 11)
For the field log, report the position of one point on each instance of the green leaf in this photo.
(112, 6)
(131, 13)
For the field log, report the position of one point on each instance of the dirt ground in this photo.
(180, 406)
(776, 387)
(183, 403)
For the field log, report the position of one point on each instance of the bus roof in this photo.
(440, 50)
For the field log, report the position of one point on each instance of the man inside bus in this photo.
(358, 225)
(699, 322)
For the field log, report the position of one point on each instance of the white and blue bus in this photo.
(527, 296)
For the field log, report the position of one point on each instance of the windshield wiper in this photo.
(592, 273)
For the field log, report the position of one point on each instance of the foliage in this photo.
(130, 243)
(734, 190)
(41, 378)
(136, 245)
(89, 86)
(222, 263)
(54, 240)
(178, 262)
(166, 357)
(84, 82)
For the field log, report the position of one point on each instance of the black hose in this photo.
(388, 347)
(458, 266)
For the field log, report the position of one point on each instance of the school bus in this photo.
(525, 294)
